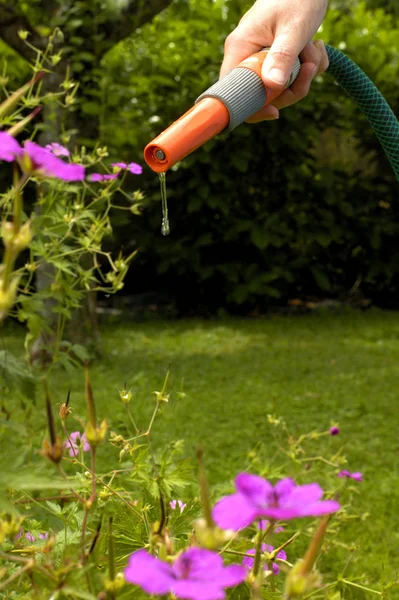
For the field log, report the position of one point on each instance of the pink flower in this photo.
(249, 562)
(174, 503)
(29, 536)
(9, 147)
(132, 167)
(36, 160)
(77, 441)
(197, 574)
(99, 177)
(257, 498)
(57, 149)
(357, 476)
(334, 430)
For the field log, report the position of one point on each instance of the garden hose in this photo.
(241, 93)
(370, 100)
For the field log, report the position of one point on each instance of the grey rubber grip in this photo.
(242, 92)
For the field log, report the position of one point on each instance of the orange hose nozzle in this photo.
(198, 125)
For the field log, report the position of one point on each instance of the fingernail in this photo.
(277, 75)
(314, 72)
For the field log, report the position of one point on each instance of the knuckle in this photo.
(232, 39)
(284, 53)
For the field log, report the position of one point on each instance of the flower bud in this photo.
(23, 237)
(53, 452)
(299, 583)
(31, 267)
(211, 537)
(64, 411)
(116, 584)
(9, 104)
(7, 233)
(7, 297)
(125, 396)
(95, 435)
(19, 127)
(23, 34)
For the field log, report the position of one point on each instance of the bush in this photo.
(298, 207)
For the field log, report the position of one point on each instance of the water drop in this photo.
(165, 228)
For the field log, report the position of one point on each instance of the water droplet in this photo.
(165, 228)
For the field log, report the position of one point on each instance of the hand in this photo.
(288, 26)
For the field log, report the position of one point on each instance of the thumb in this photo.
(280, 59)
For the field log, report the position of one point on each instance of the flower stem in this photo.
(258, 554)
(89, 502)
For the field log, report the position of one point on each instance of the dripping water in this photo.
(165, 228)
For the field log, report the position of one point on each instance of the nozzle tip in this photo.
(156, 158)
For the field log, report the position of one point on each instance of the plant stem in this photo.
(89, 502)
(258, 555)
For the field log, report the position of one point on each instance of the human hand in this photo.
(287, 26)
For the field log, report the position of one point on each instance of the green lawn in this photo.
(310, 370)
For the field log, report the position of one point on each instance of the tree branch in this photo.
(136, 14)
(13, 20)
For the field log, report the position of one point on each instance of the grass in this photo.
(310, 370)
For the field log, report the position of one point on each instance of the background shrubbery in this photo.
(305, 206)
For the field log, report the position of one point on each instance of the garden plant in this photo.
(104, 512)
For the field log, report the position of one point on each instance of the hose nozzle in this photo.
(226, 104)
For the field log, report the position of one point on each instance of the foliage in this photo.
(61, 237)
(71, 536)
(272, 211)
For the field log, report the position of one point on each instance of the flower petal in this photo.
(52, 166)
(197, 590)
(234, 512)
(9, 147)
(57, 149)
(135, 168)
(284, 488)
(153, 575)
(199, 563)
(301, 496)
(231, 575)
(255, 488)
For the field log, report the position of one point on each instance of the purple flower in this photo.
(37, 160)
(57, 149)
(76, 442)
(334, 430)
(29, 536)
(197, 574)
(257, 498)
(249, 562)
(357, 476)
(9, 147)
(43, 536)
(263, 524)
(45, 163)
(132, 167)
(106, 177)
(174, 503)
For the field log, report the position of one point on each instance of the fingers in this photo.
(299, 89)
(236, 49)
(324, 61)
(314, 61)
(248, 37)
(281, 57)
(268, 113)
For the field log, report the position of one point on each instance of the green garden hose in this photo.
(372, 103)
